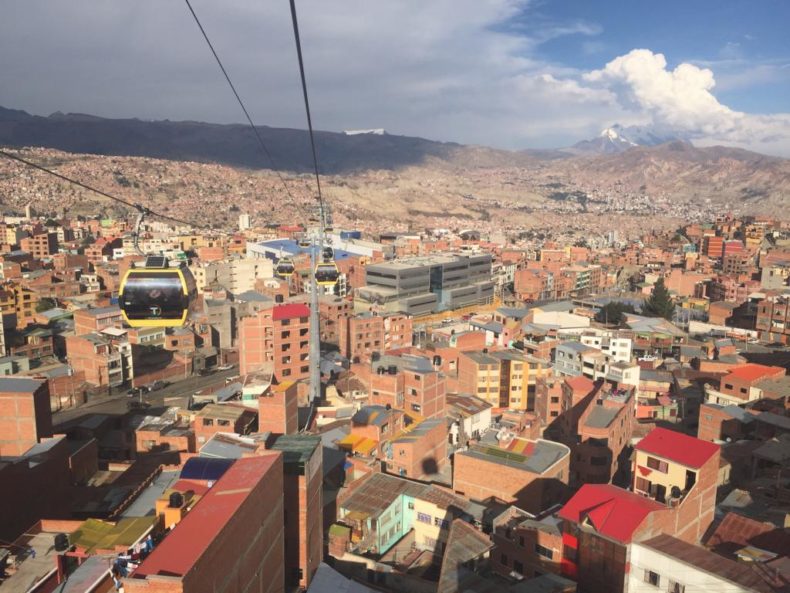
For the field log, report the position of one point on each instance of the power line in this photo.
(138, 207)
(295, 22)
(241, 103)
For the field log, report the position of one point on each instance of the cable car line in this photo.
(295, 22)
(139, 207)
(243, 107)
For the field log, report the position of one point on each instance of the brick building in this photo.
(278, 335)
(278, 409)
(741, 384)
(408, 383)
(604, 432)
(105, 359)
(25, 416)
(600, 521)
(531, 474)
(526, 545)
(333, 313)
(681, 472)
(214, 418)
(96, 319)
(365, 333)
(419, 451)
(232, 540)
(303, 506)
(773, 319)
(41, 245)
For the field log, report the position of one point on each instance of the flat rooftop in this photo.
(536, 457)
(31, 570)
(601, 417)
(18, 385)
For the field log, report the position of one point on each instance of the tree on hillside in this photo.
(613, 312)
(660, 303)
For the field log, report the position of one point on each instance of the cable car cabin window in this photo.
(326, 274)
(154, 296)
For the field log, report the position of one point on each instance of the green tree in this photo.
(660, 303)
(613, 312)
(45, 304)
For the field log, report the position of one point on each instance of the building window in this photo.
(657, 464)
(423, 518)
(518, 567)
(208, 422)
(543, 551)
(416, 407)
(652, 578)
(285, 334)
(411, 506)
(676, 587)
(442, 523)
(555, 400)
(554, 414)
(743, 389)
(503, 560)
(642, 484)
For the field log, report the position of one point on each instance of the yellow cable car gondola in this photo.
(284, 268)
(326, 273)
(157, 295)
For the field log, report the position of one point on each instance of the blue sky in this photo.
(505, 73)
(732, 37)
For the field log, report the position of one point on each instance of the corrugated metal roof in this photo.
(706, 561)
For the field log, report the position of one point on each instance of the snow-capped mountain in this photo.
(619, 138)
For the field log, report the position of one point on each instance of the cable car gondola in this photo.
(303, 242)
(326, 274)
(157, 295)
(284, 268)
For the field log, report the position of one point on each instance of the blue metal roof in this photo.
(205, 468)
(290, 247)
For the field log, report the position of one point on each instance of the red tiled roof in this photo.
(676, 446)
(614, 512)
(580, 383)
(184, 546)
(752, 372)
(290, 311)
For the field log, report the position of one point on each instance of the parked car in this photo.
(225, 367)
(157, 385)
(135, 392)
(205, 372)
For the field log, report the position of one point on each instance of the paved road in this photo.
(176, 394)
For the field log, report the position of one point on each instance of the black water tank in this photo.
(485, 350)
(437, 361)
(61, 542)
(278, 298)
(392, 369)
(388, 407)
(381, 370)
(374, 356)
(176, 500)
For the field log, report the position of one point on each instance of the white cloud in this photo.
(461, 70)
(682, 100)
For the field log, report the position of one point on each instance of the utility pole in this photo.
(316, 251)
